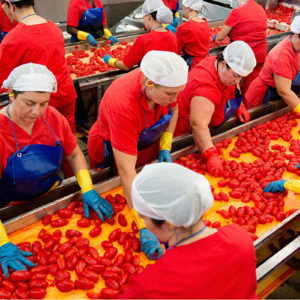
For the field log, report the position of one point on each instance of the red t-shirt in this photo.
(76, 9)
(249, 24)
(123, 112)
(282, 61)
(5, 24)
(41, 44)
(220, 266)
(171, 4)
(154, 40)
(41, 134)
(203, 81)
(193, 38)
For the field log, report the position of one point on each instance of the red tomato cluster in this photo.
(215, 44)
(56, 258)
(95, 65)
(247, 180)
(282, 14)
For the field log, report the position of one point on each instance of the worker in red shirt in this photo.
(6, 23)
(155, 13)
(248, 23)
(193, 35)
(33, 139)
(279, 76)
(87, 21)
(138, 113)
(173, 5)
(211, 97)
(27, 42)
(201, 262)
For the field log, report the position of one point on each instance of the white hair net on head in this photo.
(240, 58)
(165, 68)
(193, 4)
(170, 192)
(31, 78)
(295, 26)
(164, 14)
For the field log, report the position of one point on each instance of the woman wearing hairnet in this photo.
(87, 21)
(248, 23)
(33, 139)
(211, 97)
(40, 41)
(279, 76)
(155, 13)
(201, 262)
(193, 35)
(134, 118)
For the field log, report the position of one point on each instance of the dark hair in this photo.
(23, 3)
(220, 58)
(153, 14)
(157, 223)
(16, 93)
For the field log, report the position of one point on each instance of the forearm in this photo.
(290, 98)
(77, 160)
(72, 30)
(120, 65)
(202, 136)
(127, 176)
(223, 33)
(173, 121)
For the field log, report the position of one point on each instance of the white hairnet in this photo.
(170, 192)
(165, 68)
(164, 14)
(193, 4)
(295, 26)
(240, 58)
(31, 78)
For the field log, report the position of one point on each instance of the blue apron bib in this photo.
(147, 137)
(3, 33)
(188, 58)
(272, 93)
(232, 105)
(90, 21)
(31, 171)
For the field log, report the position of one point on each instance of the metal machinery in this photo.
(279, 245)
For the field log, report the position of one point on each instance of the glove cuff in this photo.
(112, 62)
(176, 15)
(82, 36)
(297, 109)
(3, 236)
(209, 152)
(107, 33)
(165, 141)
(138, 221)
(292, 185)
(84, 180)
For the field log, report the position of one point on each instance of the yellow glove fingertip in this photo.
(297, 109)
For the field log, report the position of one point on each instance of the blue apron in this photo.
(232, 105)
(188, 58)
(91, 21)
(3, 33)
(272, 93)
(147, 137)
(31, 171)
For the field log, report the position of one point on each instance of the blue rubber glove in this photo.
(164, 156)
(97, 203)
(91, 40)
(12, 257)
(171, 28)
(150, 244)
(275, 186)
(113, 39)
(214, 37)
(106, 58)
(175, 22)
(298, 166)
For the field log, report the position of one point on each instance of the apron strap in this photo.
(50, 129)
(11, 124)
(84, 4)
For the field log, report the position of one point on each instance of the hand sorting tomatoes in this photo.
(246, 180)
(66, 260)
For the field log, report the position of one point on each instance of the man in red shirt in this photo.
(137, 112)
(279, 76)
(248, 23)
(158, 38)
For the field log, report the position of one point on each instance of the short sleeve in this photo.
(284, 66)
(69, 139)
(73, 14)
(179, 36)
(232, 19)
(135, 54)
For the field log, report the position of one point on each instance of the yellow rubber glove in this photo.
(176, 15)
(138, 221)
(297, 109)
(3, 236)
(82, 36)
(109, 60)
(292, 185)
(107, 33)
(165, 141)
(84, 180)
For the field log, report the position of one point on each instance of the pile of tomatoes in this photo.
(247, 180)
(282, 14)
(215, 44)
(58, 254)
(95, 64)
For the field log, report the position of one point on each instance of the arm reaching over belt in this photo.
(243, 114)
(165, 145)
(84, 36)
(109, 36)
(11, 256)
(213, 162)
(282, 185)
